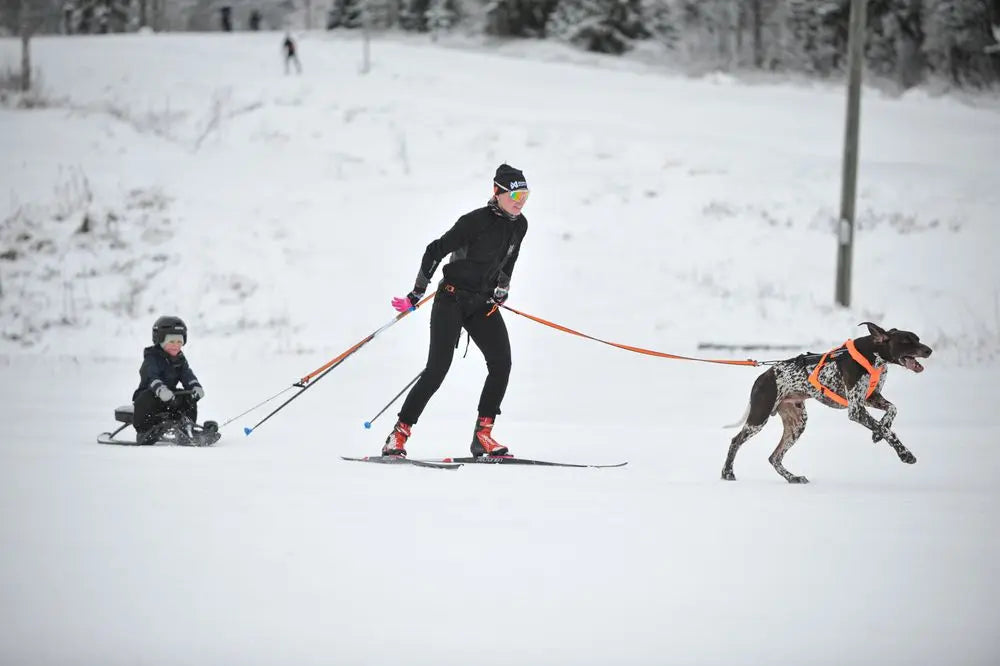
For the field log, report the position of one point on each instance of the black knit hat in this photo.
(508, 178)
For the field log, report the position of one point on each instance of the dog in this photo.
(849, 377)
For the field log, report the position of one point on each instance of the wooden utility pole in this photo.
(845, 227)
(25, 46)
(366, 36)
(758, 33)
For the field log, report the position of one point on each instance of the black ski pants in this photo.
(450, 314)
(148, 410)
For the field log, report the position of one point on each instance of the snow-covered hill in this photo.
(187, 174)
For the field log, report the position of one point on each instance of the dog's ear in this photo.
(877, 333)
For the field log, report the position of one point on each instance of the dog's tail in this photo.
(743, 419)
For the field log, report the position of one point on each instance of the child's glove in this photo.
(163, 393)
(197, 392)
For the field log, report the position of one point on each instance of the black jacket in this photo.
(484, 245)
(159, 367)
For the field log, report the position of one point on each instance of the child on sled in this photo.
(157, 408)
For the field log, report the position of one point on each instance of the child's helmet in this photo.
(168, 325)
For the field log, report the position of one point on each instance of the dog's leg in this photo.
(793, 417)
(856, 412)
(877, 401)
(746, 433)
(762, 398)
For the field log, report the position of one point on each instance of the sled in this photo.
(175, 429)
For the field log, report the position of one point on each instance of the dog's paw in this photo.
(907, 457)
(727, 475)
(798, 479)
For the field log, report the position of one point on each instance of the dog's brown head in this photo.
(899, 347)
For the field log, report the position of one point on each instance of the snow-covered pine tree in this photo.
(893, 41)
(658, 17)
(380, 14)
(957, 34)
(413, 15)
(518, 18)
(710, 31)
(441, 15)
(605, 26)
(816, 35)
(503, 18)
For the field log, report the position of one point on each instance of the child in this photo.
(163, 366)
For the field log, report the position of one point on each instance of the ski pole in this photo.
(368, 423)
(257, 406)
(311, 379)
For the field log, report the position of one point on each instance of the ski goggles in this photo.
(519, 195)
(173, 340)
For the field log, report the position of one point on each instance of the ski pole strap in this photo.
(305, 380)
(637, 350)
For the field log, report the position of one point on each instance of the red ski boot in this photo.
(483, 443)
(395, 443)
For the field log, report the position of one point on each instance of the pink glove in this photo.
(408, 302)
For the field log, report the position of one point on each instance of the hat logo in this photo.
(518, 185)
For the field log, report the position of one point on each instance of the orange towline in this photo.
(637, 350)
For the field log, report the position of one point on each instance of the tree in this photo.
(906, 18)
(414, 15)
(441, 15)
(518, 18)
(957, 34)
(817, 35)
(605, 26)
(658, 17)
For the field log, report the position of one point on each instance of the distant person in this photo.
(255, 20)
(291, 53)
(226, 14)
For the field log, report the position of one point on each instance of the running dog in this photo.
(850, 376)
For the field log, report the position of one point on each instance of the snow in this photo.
(278, 215)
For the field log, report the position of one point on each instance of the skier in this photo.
(484, 245)
(163, 366)
(291, 53)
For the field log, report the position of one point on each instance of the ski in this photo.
(511, 460)
(403, 460)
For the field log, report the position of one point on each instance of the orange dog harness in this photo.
(874, 374)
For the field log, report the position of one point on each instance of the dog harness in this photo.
(874, 374)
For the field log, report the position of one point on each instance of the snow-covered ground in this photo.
(278, 215)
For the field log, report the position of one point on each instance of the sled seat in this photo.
(124, 414)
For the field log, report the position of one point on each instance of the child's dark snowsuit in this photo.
(161, 369)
